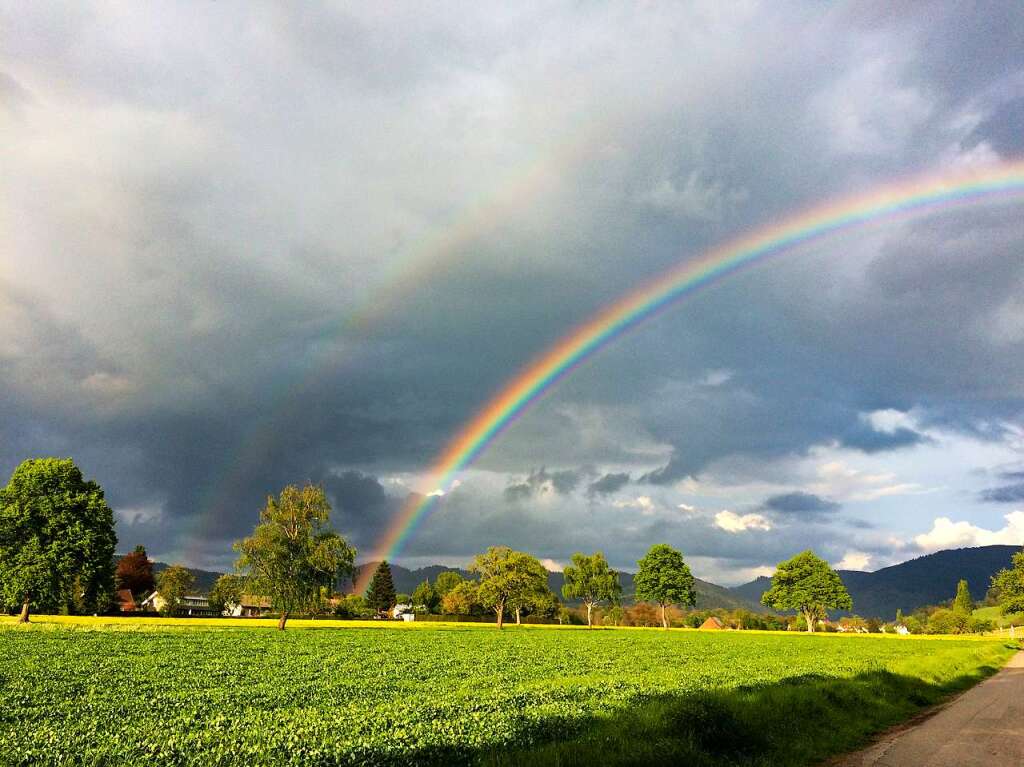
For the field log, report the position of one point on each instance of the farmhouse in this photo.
(193, 605)
(251, 606)
(125, 601)
(712, 624)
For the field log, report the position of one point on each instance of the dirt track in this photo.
(984, 726)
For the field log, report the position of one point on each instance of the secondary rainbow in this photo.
(537, 378)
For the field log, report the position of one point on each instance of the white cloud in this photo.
(888, 421)
(644, 503)
(732, 522)
(946, 534)
(552, 565)
(695, 197)
(854, 560)
(687, 508)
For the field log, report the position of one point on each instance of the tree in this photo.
(56, 538)
(1008, 583)
(173, 584)
(293, 552)
(463, 599)
(665, 579)
(806, 583)
(536, 600)
(135, 572)
(591, 580)
(226, 592)
(508, 579)
(447, 581)
(615, 616)
(426, 596)
(381, 593)
(963, 603)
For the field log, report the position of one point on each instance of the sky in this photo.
(248, 245)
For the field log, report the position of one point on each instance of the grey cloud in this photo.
(608, 483)
(1004, 494)
(864, 438)
(801, 504)
(562, 482)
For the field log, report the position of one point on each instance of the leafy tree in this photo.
(463, 599)
(135, 572)
(616, 616)
(665, 579)
(963, 603)
(226, 592)
(806, 583)
(173, 584)
(380, 595)
(56, 538)
(508, 579)
(1008, 583)
(447, 581)
(538, 600)
(426, 595)
(293, 552)
(591, 580)
(945, 621)
(353, 606)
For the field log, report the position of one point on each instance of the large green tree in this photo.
(508, 580)
(807, 584)
(425, 595)
(590, 579)
(1008, 583)
(173, 584)
(56, 539)
(380, 594)
(463, 599)
(665, 579)
(447, 581)
(293, 552)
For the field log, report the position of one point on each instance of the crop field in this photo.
(89, 694)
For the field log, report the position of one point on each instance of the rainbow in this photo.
(539, 377)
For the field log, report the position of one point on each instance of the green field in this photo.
(90, 694)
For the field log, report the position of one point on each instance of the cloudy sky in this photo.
(247, 245)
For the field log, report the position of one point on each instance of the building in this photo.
(712, 624)
(125, 601)
(192, 605)
(251, 607)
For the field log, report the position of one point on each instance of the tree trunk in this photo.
(282, 620)
(519, 616)
(23, 618)
(664, 618)
(590, 609)
(809, 617)
(500, 610)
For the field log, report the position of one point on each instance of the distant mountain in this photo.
(927, 580)
(709, 595)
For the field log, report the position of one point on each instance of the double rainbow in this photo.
(544, 372)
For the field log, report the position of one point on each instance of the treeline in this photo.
(57, 545)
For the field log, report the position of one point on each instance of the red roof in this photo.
(125, 601)
(712, 624)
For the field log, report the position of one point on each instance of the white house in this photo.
(403, 612)
(192, 605)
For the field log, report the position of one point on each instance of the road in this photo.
(984, 726)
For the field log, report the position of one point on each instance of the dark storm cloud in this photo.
(801, 504)
(200, 299)
(608, 483)
(1004, 129)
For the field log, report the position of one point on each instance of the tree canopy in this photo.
(380, 594)
(962, 602)
(226, 592)
(56, 539)
(447, 581)
(173, 584)
(808, 584)
(591, 580)
(135, 572)
(425, 595)
(463, 599)
(293, 552)
(1009, 584)
(508, 580)
(665, 579)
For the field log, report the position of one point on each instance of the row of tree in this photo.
(57, 547)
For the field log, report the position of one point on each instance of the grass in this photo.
(90, 691)
(995, 615)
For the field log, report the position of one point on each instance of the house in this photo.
(125, 601)
(192, 605)
(398, 612)
(251, 607)
(712, 624)
(901, 629)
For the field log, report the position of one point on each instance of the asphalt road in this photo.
(984, 726)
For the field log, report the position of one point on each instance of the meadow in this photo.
(82, 692)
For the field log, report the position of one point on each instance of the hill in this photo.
(709, 595)
(926, 580)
